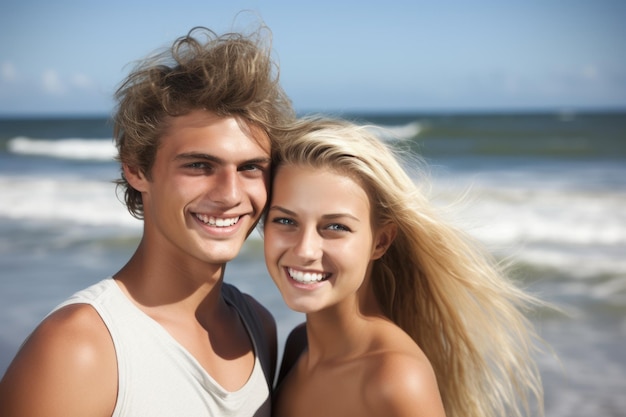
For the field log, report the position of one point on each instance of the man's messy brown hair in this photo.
(231, 75)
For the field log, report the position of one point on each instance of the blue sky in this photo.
(68, 56)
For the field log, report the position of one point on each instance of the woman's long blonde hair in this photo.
(435, 282)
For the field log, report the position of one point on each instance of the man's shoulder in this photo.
(261, 323)
(70, 352)
(235, 296)
(74, 334)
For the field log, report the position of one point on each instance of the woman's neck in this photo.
(344, 330)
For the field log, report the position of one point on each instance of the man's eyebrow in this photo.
(197, 155)
(207, 157)
(259, 160)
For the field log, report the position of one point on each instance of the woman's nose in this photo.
(309, 244)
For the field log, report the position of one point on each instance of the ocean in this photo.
(547, 191)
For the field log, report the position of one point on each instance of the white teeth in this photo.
(306, 277)
(212, 221)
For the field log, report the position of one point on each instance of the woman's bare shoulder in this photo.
(68, 361)
(400, 380)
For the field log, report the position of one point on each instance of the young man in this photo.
(165, 336)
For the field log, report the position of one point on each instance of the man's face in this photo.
(208, 187)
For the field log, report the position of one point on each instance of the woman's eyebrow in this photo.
(330, 216)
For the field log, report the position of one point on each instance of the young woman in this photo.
(405, 315)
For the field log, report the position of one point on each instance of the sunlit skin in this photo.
(316, 228)
(205, 192)
(320, 227)
(199, 178)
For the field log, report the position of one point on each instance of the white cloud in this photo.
(82, 81)
(590, 72)
(8, 72)
(52, 84)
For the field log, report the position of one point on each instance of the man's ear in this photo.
(383, 239)
(135, 177)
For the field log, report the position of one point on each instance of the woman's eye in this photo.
(282, 220)
(338, 228)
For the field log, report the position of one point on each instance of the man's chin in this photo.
(219, 254)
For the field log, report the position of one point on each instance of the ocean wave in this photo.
(104, 149)
(70, 148)
(569, 230)
(70, 200)
(396, 132)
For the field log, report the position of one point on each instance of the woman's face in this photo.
(319, 241)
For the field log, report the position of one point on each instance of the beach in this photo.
(544, 191)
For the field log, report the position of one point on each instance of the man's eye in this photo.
(254, 167)
(198, 165)
(249, 167)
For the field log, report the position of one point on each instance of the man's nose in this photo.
(227, 189)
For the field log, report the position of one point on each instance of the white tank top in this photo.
(158, 377)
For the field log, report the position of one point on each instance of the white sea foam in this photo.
(562, 215)
(70, 200)
(70, 148)
(556, 227)
(397, 132)
(548, 216)
(104, 149)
